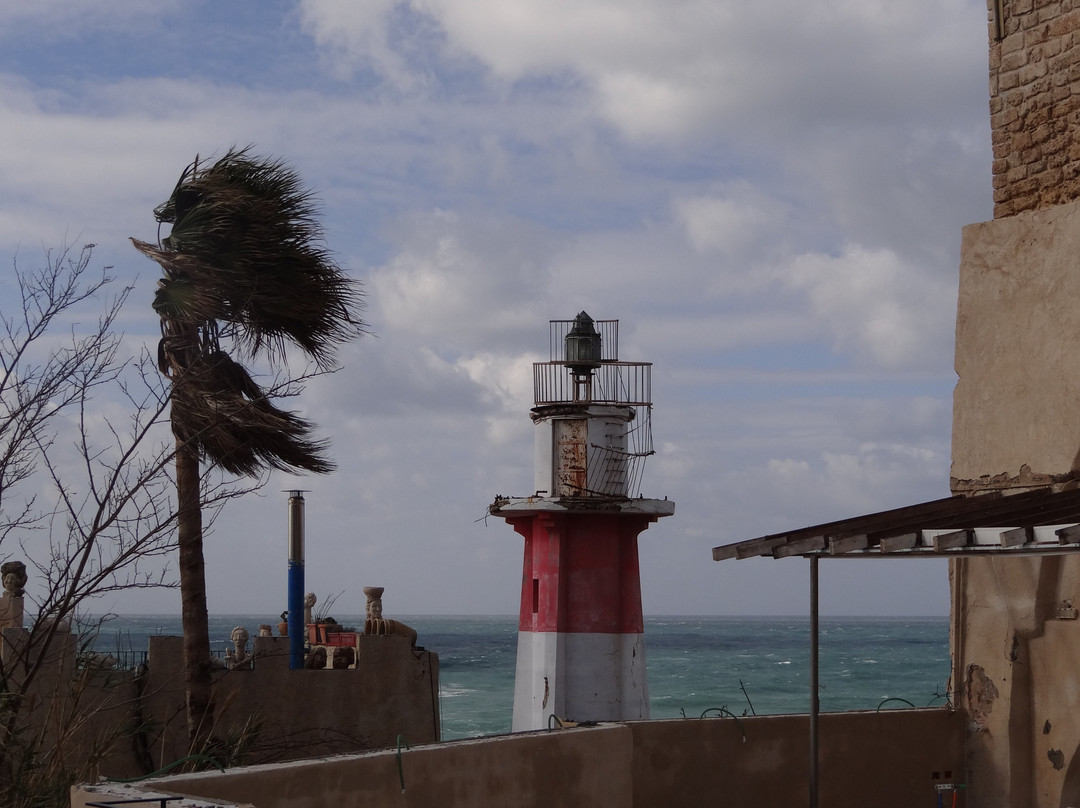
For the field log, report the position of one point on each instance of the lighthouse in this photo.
(581, 647)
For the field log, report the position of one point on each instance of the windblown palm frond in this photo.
(244, 260)
(219, 408)
(246, 249)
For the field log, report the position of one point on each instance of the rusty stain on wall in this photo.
(571, 456)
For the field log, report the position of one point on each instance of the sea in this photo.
(696, 665)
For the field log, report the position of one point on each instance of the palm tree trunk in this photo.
(197, 679)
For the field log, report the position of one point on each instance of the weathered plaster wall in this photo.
(891, 759)
(1035, 105)
(1016, 678)
(1016, 424)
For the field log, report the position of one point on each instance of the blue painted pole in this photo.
(297, 629)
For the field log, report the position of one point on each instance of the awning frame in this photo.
(1043, 521)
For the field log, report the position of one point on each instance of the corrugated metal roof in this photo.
(1043, 521)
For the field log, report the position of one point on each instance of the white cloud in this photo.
(664, 69)
(876, 307)
(734, 221)
(352, 34)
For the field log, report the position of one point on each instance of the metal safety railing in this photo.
(627, 383)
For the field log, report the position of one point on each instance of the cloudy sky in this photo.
(767, 195)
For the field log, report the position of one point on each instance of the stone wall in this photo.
(1035, 104)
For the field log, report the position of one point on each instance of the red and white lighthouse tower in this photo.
(581, 649)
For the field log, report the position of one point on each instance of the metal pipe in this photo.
(296, 580)
(814, 702)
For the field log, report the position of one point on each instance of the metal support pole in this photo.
(814, 701)
(297, 628)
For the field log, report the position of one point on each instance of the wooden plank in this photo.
(952, 540)
(814, 544)
(757, 547)
(847, 544)
(1017, 536)
(723, 552)
(745, 549)
(1069, 535)
(905, 541)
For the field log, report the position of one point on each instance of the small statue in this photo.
(379, 625)
(309, 604)
(266, 630)
(13, 576)
(238, 656)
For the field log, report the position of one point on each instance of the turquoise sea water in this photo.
(744, 664)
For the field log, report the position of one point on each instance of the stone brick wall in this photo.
(1035, 104)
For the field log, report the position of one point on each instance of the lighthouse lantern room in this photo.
(581, 650)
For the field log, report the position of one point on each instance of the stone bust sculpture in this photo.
(238, 655)
(13, 575)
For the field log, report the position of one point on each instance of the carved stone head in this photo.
(374, 601)
(13, 574)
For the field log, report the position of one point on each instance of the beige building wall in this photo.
(1016, 643)
(1016, 423)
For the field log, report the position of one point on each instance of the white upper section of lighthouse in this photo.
(592, 414)
(593, 425)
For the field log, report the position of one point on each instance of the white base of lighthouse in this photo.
(579, 677)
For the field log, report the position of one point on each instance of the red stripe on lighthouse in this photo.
(580, 573)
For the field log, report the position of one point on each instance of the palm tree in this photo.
(244, 267)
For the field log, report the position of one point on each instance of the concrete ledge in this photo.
(891, 759)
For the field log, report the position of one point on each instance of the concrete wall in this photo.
(1016, 651)
(891, 759)
(392, 691)
(136, 724)
(1035, 105)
